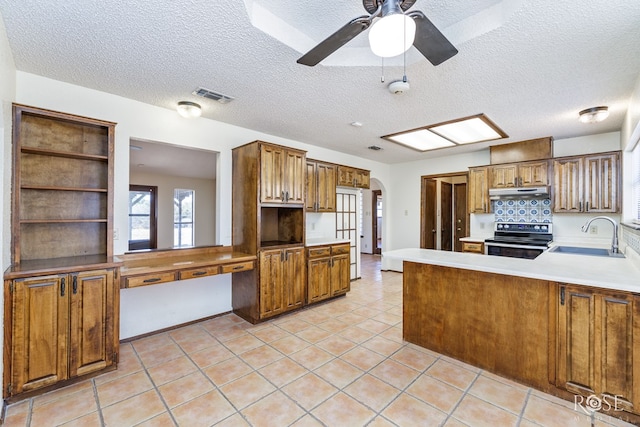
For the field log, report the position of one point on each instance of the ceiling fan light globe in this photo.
(392, 35)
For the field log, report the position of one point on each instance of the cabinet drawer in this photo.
(234, 268)
(339, 250)
(198, 272)
(473, 247)
(319, 252)
(150, 279)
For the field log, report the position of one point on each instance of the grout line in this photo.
(94, 387)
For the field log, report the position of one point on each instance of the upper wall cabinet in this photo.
(282, 174)
(353, 177)
(588, 183)
(321, 186)
(478, 196)
(62, 186)
(524, 174)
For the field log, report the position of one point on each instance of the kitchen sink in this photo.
(578, 250)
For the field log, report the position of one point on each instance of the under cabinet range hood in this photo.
(519, 193)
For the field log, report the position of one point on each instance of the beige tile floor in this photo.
(341, 363)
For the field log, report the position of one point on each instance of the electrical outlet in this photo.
(116, 234)
(593, 229)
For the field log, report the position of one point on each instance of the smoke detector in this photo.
(399, 87)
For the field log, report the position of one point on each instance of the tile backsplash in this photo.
(522, 210)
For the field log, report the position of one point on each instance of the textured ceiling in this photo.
(530, 75)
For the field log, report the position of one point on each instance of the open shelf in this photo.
(65, 154)
(60, 221)
(82, 189)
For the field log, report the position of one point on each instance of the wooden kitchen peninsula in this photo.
(155, 267)
(562, 324)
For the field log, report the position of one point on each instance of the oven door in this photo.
(512, 250)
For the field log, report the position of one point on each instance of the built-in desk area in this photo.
(161, 266)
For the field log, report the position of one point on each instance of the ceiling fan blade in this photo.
(430, 41)
(335, 41)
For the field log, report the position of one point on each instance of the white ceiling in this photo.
(166, 159)
(542, 62)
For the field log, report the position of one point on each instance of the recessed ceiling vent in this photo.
(206, 93)
(374, 148)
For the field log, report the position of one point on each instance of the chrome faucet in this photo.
(614, 241)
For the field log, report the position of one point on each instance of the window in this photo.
(142, 217)
(183, 204)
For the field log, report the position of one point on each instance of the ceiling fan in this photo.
(429, 41)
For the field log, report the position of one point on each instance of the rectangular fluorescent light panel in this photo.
(421, 140)
(466, 130)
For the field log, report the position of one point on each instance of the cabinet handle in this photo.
(62, 286)
(587, 207)
(238, 267)
(199, 273)
(155, 279)
(579, 206)
(287, 195)
(562, 295)
(281, 256)
(75, 284)
(282, 195)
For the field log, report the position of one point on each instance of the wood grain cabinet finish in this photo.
(473, 247)
(353, 177)
(328, 272)
(282, 175)
(597, 344)
(282, 280)
(478, 197)
(589, 184)
(524, 174)
(62, 327)
(62, 185)
(61, 304)
(321, 186)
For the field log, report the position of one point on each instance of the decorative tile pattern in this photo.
(522, 210)
(342, 363)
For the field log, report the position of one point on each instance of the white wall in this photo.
(7, 96)
(146, 309)
(205, 205)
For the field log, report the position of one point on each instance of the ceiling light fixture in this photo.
(466, 130)
(594, 114)
(394, 33)
(189, 109)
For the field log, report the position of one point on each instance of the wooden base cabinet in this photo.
(598, 342)
(328, 272)
(62, 326)
(282, 281)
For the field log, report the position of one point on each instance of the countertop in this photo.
(322, 241)
(612, 273)
(475, 239)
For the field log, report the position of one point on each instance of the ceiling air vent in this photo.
(206, 93)
(374, 148)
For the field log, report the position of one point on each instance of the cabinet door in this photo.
(326, 187)
(504, 176)
(346, 176)
(533, 174)
(295, 278)
(478, 191)
(295, 174)
(319, 274)
(272, 164)
(568, 185)
(271, 283)
(601, 183)
(595, 343)
(40, 323)
(363, 179)
(614, 328)
(576, 341)
(311, 196)
(92, 319)
(340, 280)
